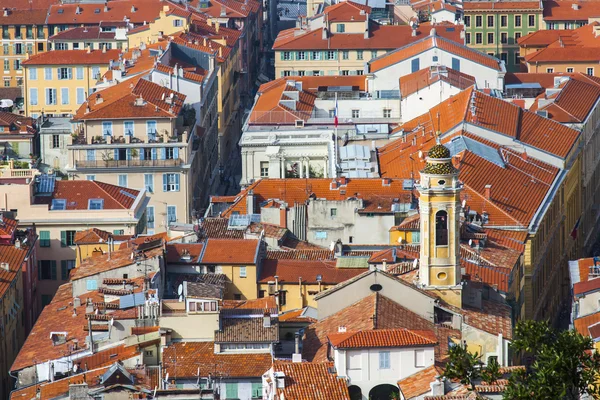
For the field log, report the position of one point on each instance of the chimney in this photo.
(297, 343)
(5, 266)
(76, 302)
(250, 202)
(343, 181)
(324, 33)
(341, 329)
(488, 192)
(217, 24)
(414, 32)
(366, 26)
(282, 216)
(105, 7)
(266, 319)
(437, 387)
(132, 9)
(104, 49)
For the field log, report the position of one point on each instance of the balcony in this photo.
(79, 139)
(81, 164)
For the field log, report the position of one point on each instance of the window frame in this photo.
(384, 360)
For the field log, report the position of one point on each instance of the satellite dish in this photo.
(180, 289)
(470, 242)
(415, 262)
(464, 203)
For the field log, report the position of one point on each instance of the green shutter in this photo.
(44, 238)
(256, 390)
(231, 390)
(63, 238)
(53, 270)
(281, 55)
(64, 273)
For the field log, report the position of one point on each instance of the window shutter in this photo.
(154, 154)
(39, 270)
(165, 182)
(281, 55)
(53, 270)
(33, 94)
(177, 182)
(70, 73)
(63, 270)
(116, 155)
(128, 154)
(141, 152)
(63, 238)
(176, 153)
(163, 153)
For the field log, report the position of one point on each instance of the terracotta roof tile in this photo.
(543, 38)
(23, 17)
(502, 5)
(140, 239)
(574, 102)
(216, 228)
(218, 251)
(247, 327)
(94, 13)
(425, 77)
(589, 286)
(401, 337)
(91, 236)
(578, 45)
(289, 271)
(14, 257)
(73, 57)
(82, 33)
(107, 262)
(296, 316)
(78, 193)
(546, 80)
(582, 324)
(184, 253)
(563, 10)
(310, 381)
(419, 382)
(16, 124)
(493, 317)
(8, 226)
(268, 302)
(300, 254)
(181, 360)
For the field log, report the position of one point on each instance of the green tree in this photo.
(463, 365)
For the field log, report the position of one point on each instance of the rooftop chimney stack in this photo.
(488, 192)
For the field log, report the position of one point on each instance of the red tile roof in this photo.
(94, 13)
(580, 45)
(119, 101)
(400, 337)
(432, 42)
(77, 194)
(347, 11)
(107, 262)
(381, 37)
(219, 251)
(425, 77)
(543, 38)
(300, 254)
(493, 317)
(563, 10)
(296, 316)
(23, 17)
(502, 5)
(420, 382)
(256, 304)
(8, 226)
(92, 236)
(176, 252)
(82, 33)
(181, 360)
(233, 8)
(582, 324)
(289, 271)
(73, 57)
(14, 257)
(372, 312)
(216, 228)
(310, 381)
(16, 124)
(300, 190)
(589, 286)
(546, 80)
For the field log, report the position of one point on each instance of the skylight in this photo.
(96, 204)
(59, 204)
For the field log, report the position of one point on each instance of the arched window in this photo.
(441, 228)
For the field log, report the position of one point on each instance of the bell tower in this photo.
(439, 204)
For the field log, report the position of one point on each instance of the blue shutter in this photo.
(142, 154)
(154, 157)
(33, 96)
(116, 157)
(176, 153)
(163, 153)
(456, 64)
(176, 182)
(414, 65)
(128, 152)
(48, 74)
(165, 182)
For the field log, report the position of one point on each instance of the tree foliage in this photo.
(559, 365)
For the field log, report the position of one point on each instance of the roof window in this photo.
(61, 10)
(59, 204)
(96, 204)
(97, 11)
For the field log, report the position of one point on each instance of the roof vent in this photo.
(575, 6)
(5, 266)
(341, 329)
(58, 338)
(280, 379)
(105, 7)
(6, 12)
(78, 10)
(132, 9)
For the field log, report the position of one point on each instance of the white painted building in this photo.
(55, 135)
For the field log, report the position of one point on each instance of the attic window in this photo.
(58, 204)
(60, 10)
(97, 11)
(96, 204)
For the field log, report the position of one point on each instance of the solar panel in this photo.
(389, 94)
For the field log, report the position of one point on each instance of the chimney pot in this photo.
(488, 192)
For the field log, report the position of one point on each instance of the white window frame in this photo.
(93, 203)
(384, 360)
(243, 272)
(58, 204)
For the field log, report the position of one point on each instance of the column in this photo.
(325, 167)
(253, 169)
(245, 178)
(282, 161)
(301, 167)
(307, 160)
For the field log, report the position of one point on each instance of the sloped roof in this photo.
(310, 381)
(420, 382)
(20, 124)
(502, 5)
(543, 38)
(8, 226)
(400, 337)
(574, 102)
(582, 324)
(94, 13)
(243, 327)
(289, 271)
(77, 194)
(579, 45)
(425, 77)
(14, 257)
(73, 57)
(219, 251)
(563, 10)
(92, 235)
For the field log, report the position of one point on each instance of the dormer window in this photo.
(95, 204)
(58, 204)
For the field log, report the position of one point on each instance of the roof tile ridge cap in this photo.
(109, 195)
(494, 205)
(375, 310)
(418, 332)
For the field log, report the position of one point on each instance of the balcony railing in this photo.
(127, 163)
(80, 139)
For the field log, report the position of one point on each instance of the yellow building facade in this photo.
(241, 282)
(58, 82)
(167, 23)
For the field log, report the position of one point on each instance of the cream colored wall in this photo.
(296, 298)
(93, 128)
(200, 327)
(163, 24)
(542, 67)
(349, 27)
(10, 348)
(353, 63)
(87, 83)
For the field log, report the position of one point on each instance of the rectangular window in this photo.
(151, 130)
(257, 390)
(518, 58)
(549, 70)
(231, 390)
(6, 48)
(64, 96)
(170, 182)
(301, 55)
(490, 21)
(478, 21)
(58, 204)
(44, 238)
(517, 36)
(107, 128)
(456, 64)
(79, 73)
(316, 55)
(150, 217)
(355, 113)
(95, 204)
(90, 177)
(287, 56)
(467, 38)
(48, 74)
(415, 237)
(171, 214)
(149, 182)
(264, 169)
(590, 71)
(91, 284)
(47, 270)
(490, 38)
(504, 21)
(570, 70)
(128, 128)
(467, 20)
(518, 20)
(504, 38)
(419, 358)
(373, 53)
(504, 57)
(18, 49)
(33, 73)
(341, 28)
(33, 96)
(64, 73)
(177, 22)
(123, 180)
(414, 65)
(384, 360)
(387, 113)
(345, 54)
(531, 21)
(96, 72)
(67, 238)
(65, 268)
(18, 32)
(359, 55)
(321, 235)
(333, 212)
(331, 55)
(50, 97)
(17, 64)
(242, 271)
(55, 141)
(80, 95)
(91, 155)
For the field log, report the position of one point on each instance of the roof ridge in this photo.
(99, 184)
(491, 203)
